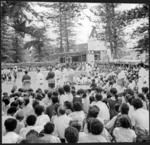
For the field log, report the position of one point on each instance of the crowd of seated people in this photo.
(114, 108)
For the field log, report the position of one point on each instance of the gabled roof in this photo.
(93, 33)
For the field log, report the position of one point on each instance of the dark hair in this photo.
(14, 104)
(80, 92)
(49, 94)
(137, 103)
(75, 124)
(49, 128)
(93, 111)
(10, 124)
(39, 109)
(141, 96)
(113, 91)
(71, 135)
(68, 105)
(99, 89)
(125, 121)
(12, 110)
(92, 99)
(55, 99)
(26, 101)
(26, 72)
(61, 91)
(61, 110)
(94, 126)
(6, 100)
(67, 88)
(124, 108)
(35, 103)
(31, 120)
(145, 90)
(32, 134)
(77, 106)
(55, 94)
(98, 97)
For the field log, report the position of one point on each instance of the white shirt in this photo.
(42, 120)
(25, 130)
(11, 137)
(50, 138)
(90, 138)
(124, 135)
(61, 123)
(104, 111)
(140, 118)
(66, 97)
(78, 115)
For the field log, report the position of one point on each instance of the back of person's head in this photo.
(94, 126)
(124, 108)
(129, 92)
(137, 103)
(99, 89)
(125, 121)
(68, 105)
(61, 110)
(55, 99)
(6, 101)
(145, 90)
(67, 88)
(14, 104)
(141, 96)
(71, 135)
(11, 111)
(31, 120)
(77, 106)
(10, 124)
(98, 97)
(49, 128)
(93, 111)
(32, 135)
(92, 99)
(20, 115)
(61, 91)
(49, 94)
(51, 75)
(75, 124)
(26, 101)
(113, 91)
(35, 103)
(55, 94)
(26, 72)
(39, 109)
(80, 92)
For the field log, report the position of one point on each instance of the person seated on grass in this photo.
(30, 124)
(71, 135)
(11, 136)
(94, 134)
(124, 133)
(47, 134)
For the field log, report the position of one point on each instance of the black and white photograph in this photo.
(74, 72)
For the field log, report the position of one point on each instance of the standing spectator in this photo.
(26, 81)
